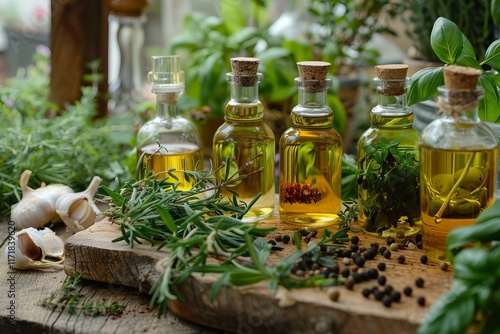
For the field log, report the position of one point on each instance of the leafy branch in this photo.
(390, 177)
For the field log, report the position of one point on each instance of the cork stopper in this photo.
(459, 77)
(313, 75)
(245, 70)
(461, 83)
(392, 79)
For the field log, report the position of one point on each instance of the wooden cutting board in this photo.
(253, 309)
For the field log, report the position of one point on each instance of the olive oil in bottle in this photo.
(388, 192)
(311, 154)
(247, 141)
(458, 157)
(169, 140)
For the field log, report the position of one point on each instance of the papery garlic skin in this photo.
(45, 243)
(37, 206)
(78, 210)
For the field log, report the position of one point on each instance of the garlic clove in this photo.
(38, 249)
(78, 210)
(37, 206)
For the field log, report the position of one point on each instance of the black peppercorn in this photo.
(357, 277)
(272, 242)
(401, 259)
(372, 273)
(381, 280)
(443, 266)
(359, 261)
(407, 291)
(304, 231)
(387, 301)
(382, 249)
(370, 253)
(395, 296)
(419, 244)
(381, 266)
(419, 282)
(374, 245)
(387, 254)
(388, 289)
(366, 292)
(278, 237)
(424, 259)
(335, 268)
(378, 295)
(390, 240)
(421, 301)
(349, 283)
(355, 239)
(286, 238)
(346, 272)
(354, 248)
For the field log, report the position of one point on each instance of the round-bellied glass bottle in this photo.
(458, 157)
(311, 154)
(388, 160)
(169, 140)
(247, 141)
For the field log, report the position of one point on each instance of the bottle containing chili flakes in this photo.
(311, 154)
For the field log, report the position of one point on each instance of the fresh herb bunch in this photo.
(390, 176)
(67, 298)
(475, 295)
(199, 224)
(69, 148)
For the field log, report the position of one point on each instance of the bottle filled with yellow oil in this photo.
(310, 167)
(458, 157)
(169, 144)
(387, 152)
(247, 142)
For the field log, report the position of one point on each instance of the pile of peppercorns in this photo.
(354, 257)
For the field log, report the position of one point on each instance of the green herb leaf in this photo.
(424, 84)
(492, 56)
(446, 40)
(167, 218)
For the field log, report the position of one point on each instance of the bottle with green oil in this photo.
(458, 158)
(247, 141)
(388, 160)
(310, 167)
(169, 140)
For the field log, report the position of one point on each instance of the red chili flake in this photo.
(293, 192)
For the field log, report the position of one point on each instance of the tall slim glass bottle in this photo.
(389, 183)
(458, 158)
(311, 154)
(169, 140)
(247, 141)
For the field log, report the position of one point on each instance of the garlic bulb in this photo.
(37, 206)
(78, 210)
(37, 249)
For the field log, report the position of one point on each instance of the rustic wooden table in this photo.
(123, 272)
(25, 290)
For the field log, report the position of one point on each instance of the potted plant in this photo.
(431, 51)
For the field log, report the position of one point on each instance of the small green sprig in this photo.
(390, 177)
(68, 297)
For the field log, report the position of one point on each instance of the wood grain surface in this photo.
(253, 309)
(30, 287)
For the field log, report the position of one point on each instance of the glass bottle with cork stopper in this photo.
(169, 140)
(311, 154)
(387, 153)
(247, 141)
(458, 157)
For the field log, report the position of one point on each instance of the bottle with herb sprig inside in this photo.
(247, 141)
(389, 204)
(458, 157)
(169, 141)
(311, 154)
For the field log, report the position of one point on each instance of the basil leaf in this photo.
(489, 106)
(479, 232)
(446, 40)
(492, 56)
(450, 314)
(473, 266)
(424, 84)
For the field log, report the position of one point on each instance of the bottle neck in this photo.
(460, 105)
(311, 109)
(311, 100)
(244, 94)
(167, 104)
(244, 104)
